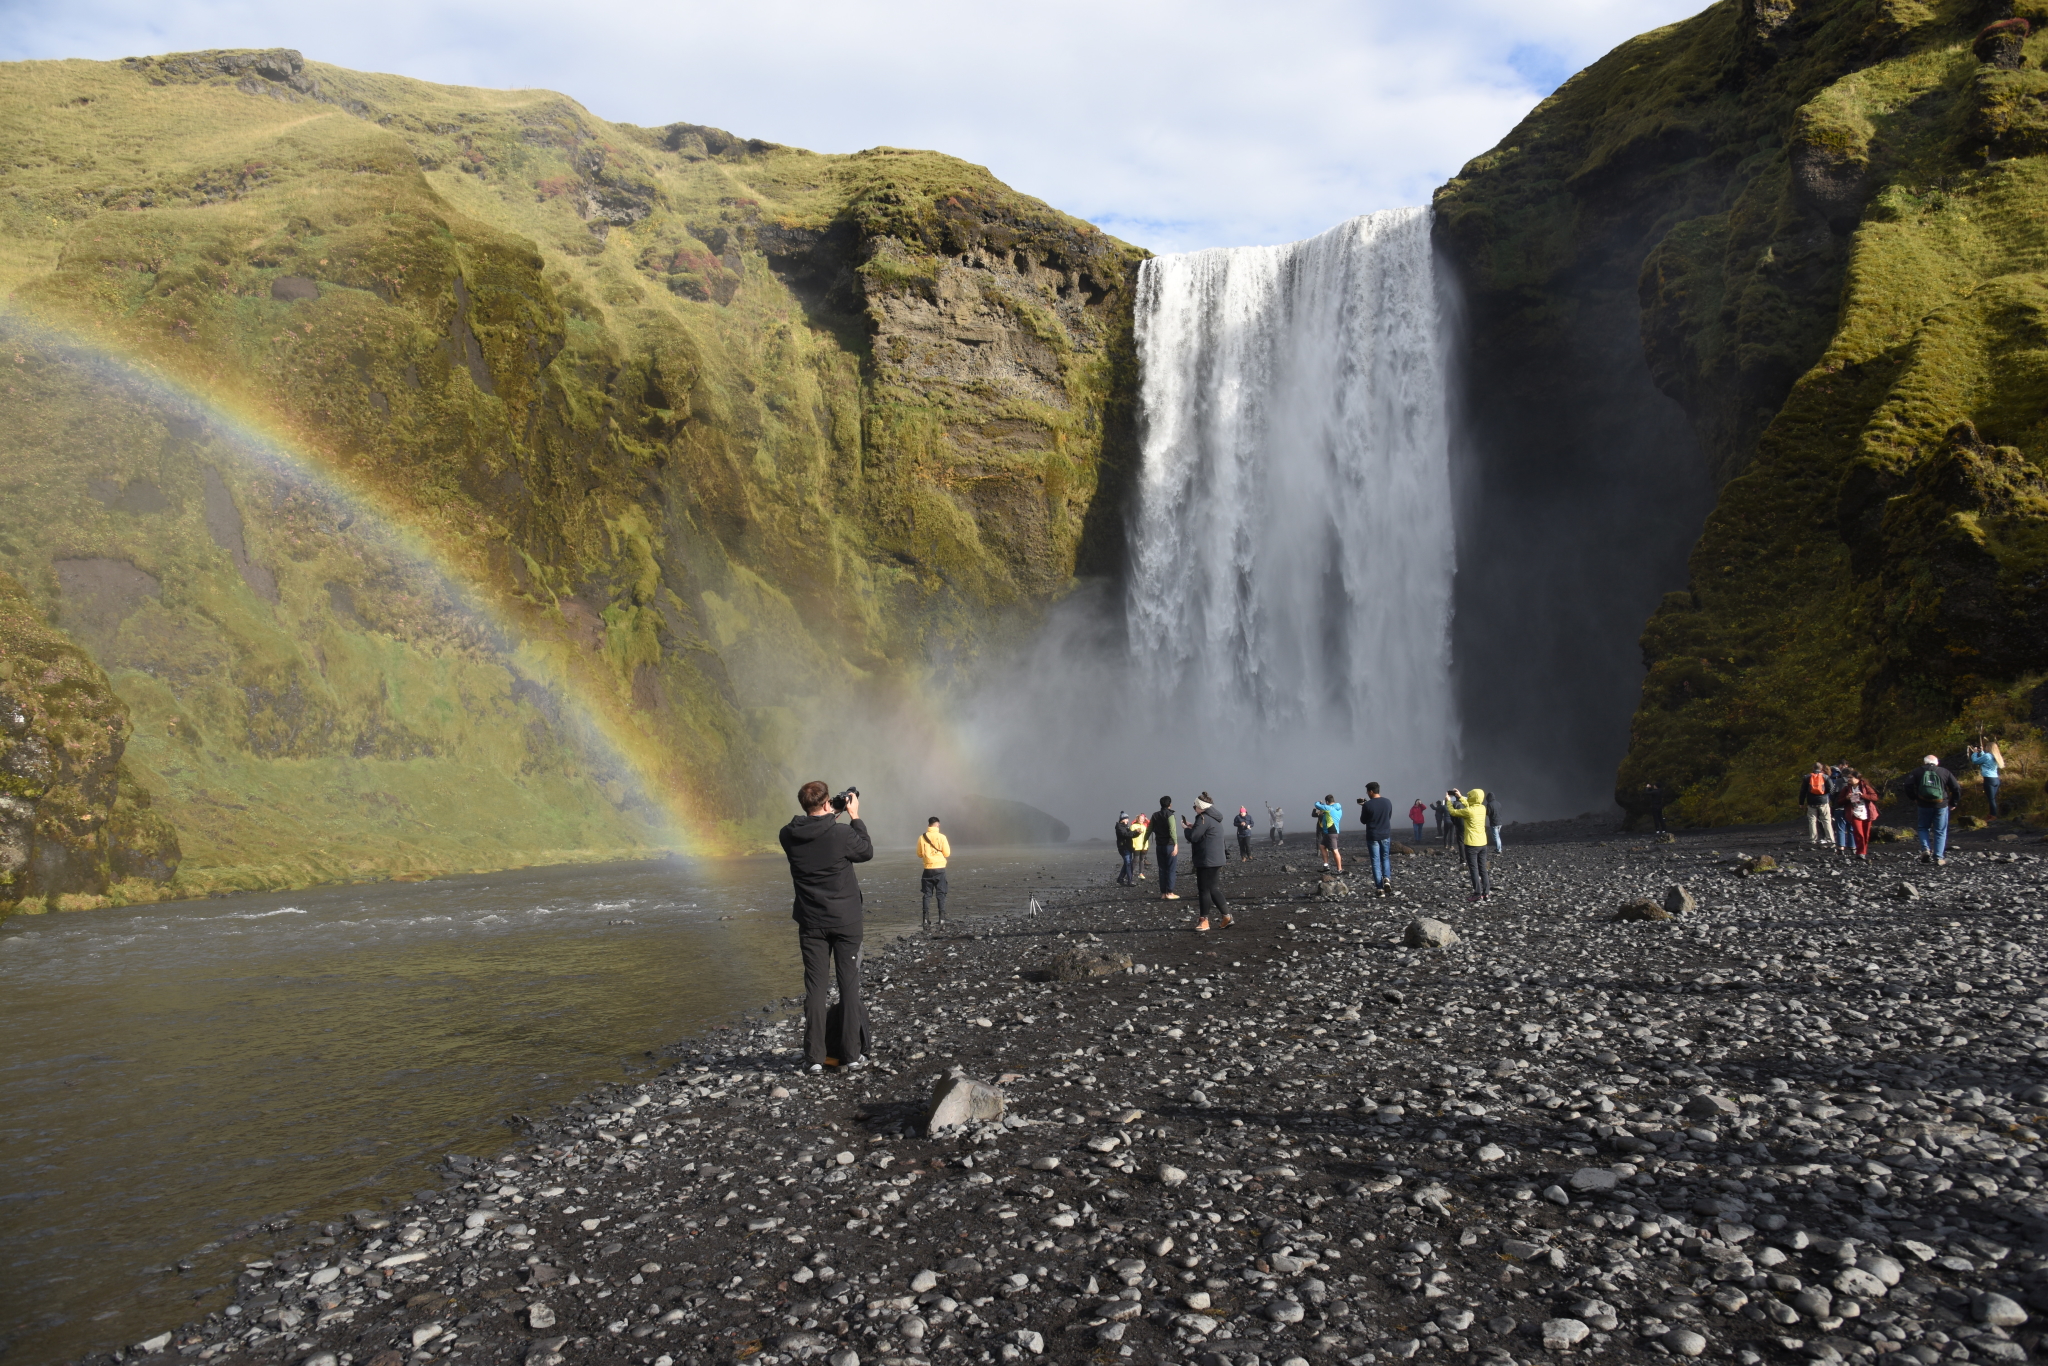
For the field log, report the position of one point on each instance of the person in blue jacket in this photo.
(1329, 820)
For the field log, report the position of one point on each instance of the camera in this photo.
(839, 802)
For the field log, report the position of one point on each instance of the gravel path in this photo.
(1799, 1120)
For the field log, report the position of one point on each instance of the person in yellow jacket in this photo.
(1468, 809)
(934, 850)
(1141, 838)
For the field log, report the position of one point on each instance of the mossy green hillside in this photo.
(711, 429)
(1839, 242)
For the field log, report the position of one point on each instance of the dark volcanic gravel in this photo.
(1800, 1120)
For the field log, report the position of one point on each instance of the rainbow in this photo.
(260, 439)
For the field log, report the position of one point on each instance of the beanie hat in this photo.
(1202, 803)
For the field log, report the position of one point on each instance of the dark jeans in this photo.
(840, 953)
(1418, 832)
(933, 884)
(1475, 865)
(1129, 873)
(1658, 816)
(1244, 847)
(1166, 870)
(1209, 892)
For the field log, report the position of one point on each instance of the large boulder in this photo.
(1078, 965)
(958, 1101)
(1424, 933)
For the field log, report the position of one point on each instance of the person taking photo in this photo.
(829, 917)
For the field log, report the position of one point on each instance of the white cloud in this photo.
(1174, 126)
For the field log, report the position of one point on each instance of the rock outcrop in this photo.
(1811, 226)
(73, 823)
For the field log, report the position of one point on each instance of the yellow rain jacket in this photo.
(933, 849)
(1471, 813)
(1141, 832)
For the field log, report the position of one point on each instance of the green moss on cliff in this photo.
(1842, 284)
(697, 420)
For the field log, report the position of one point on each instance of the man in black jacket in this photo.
(1935, 792)
(828, 917)
(1210, 847)
(1376, 814)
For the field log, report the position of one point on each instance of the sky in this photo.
(1196, 124)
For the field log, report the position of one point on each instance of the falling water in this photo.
(1292, 549)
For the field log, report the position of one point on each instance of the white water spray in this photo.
(1292, 547)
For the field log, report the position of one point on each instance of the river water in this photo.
(176, 1074)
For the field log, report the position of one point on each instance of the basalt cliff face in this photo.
(449, 479)
(1797, 248)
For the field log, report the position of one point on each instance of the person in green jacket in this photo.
(1468, 810)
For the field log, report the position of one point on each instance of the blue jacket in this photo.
(1336, 810)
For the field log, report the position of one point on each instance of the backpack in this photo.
(1816, 783)
(1927, 786)
(1324, 820)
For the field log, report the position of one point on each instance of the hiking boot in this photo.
(1170, 896)
(1228, 921)
(1202, 926)
(1926, 857)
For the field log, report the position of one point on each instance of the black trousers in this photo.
(1244, 846)
(1209, 893)
(933, 884)
(825, 956)
(1475, 865)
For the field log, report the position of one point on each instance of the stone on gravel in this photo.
(1171, 1176)
(1641, 909)
(958, 1101)
(539, 1316)
(923, 1281)
(1906, 891)
(1854, 1280)
(1711, 1107)
(1561, 1335)
(1997, 1311)
(1679, 902)
(1332, 889)
(1285, 1311)
(1594, 1179)
(1425, 933)
(1078, 965)
(1685, 1342)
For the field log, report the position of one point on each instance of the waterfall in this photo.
(1292, 553)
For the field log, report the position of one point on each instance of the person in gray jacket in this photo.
(1210, 845)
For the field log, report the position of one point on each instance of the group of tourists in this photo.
(1469, 820)
(1161, 835)
(1841, 805)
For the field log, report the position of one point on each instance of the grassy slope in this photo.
(1840, 260)
(620, 381)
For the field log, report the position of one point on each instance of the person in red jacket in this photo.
(1416, 815)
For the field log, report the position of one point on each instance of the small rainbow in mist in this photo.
(254, 439)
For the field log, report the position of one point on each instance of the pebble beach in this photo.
(1722, 1095)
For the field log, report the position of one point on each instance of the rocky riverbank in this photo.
(1801, 1119)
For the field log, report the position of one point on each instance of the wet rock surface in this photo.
(1799, 1122)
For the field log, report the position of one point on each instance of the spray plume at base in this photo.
(1284, 631)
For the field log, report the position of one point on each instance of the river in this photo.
(178, 1075)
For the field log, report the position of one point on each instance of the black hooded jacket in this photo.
(1206, 839)
(822, 853)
